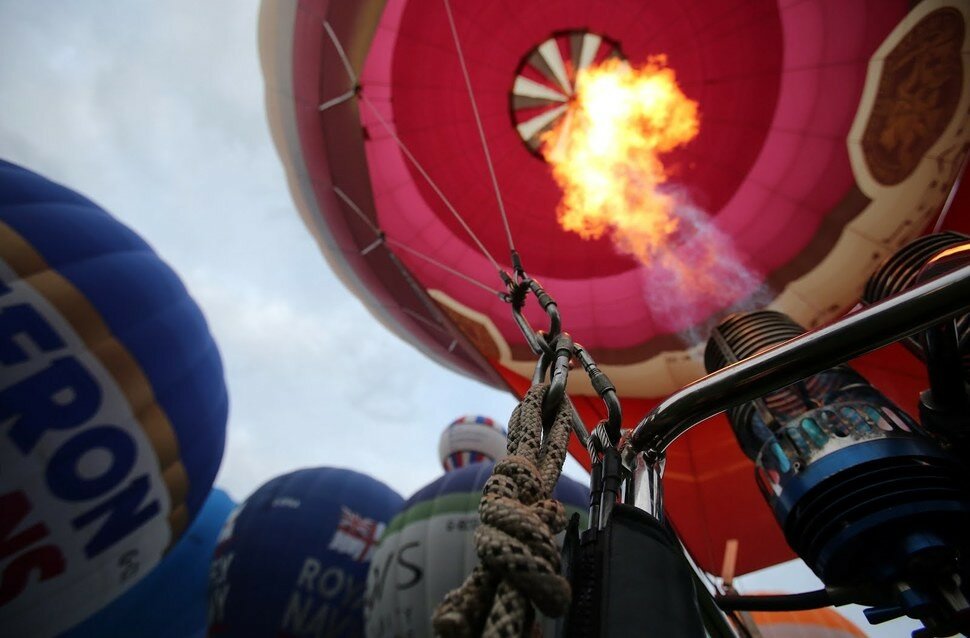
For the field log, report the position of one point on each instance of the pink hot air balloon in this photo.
(831, 132)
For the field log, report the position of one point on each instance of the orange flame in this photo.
(605, 154)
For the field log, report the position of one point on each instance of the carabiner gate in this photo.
(540, 342)
(603, 387)
(559, 375)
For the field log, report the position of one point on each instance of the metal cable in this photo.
(354, 207)
(401, 245)
(404, 149)
(414, 161)
(478, 123)
(941, 218)
(341, 52)
(445, 267)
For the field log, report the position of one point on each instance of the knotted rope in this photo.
(516, 546)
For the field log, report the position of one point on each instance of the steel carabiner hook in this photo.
(540, 342)
(558, 376)
(555, 350)
(605, 389)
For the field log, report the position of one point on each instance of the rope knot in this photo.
(516, 545)
(516, 537)
(524, 482)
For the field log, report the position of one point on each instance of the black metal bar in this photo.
(945, 367)
(604, 388)
(550, 307)
(942, 341)
(579, 429)
(558, 378)
(776, 602)
(537, 345)
(870, 328)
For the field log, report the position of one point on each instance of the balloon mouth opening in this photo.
(544, 87)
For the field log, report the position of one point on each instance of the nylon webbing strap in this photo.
(516, 546)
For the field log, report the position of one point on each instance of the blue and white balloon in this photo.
(428, 550)
(112, 407)
(292, 560)
(171, 600)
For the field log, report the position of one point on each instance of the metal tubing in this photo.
(604, 387)
(645, 489)
(854, 335)
(579, 429)
(945, 368)
(942, 342)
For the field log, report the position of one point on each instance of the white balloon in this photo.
(428, 549)
(471, 439)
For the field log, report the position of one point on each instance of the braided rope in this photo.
(516, 543)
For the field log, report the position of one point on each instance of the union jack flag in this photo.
(356, 536)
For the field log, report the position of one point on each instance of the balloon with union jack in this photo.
(292, 560)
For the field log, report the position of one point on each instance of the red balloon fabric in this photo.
(831, 133)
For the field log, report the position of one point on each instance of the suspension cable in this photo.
(404, 149)
(414, 161)
(426, 321)
(383, 238)
(445, 267)
(945, 209)
(478, 124)
(341, 52)
(352, 91)
(354, 207)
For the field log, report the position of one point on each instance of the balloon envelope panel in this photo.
(292, 559)
(171, 600)
(113, 402)
(808, 167)
(800, 162)
(429, 549)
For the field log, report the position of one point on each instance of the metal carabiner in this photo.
(556, 350)
(550, 307)
(542, 365)
(558, 376)
(540, 342)
(603, 387)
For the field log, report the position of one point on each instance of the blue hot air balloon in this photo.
(112, 406)
(429, 549)
(171, 601)
(292, 560)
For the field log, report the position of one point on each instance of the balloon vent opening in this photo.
(545, 81)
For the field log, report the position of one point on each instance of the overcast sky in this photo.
(155, 111)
